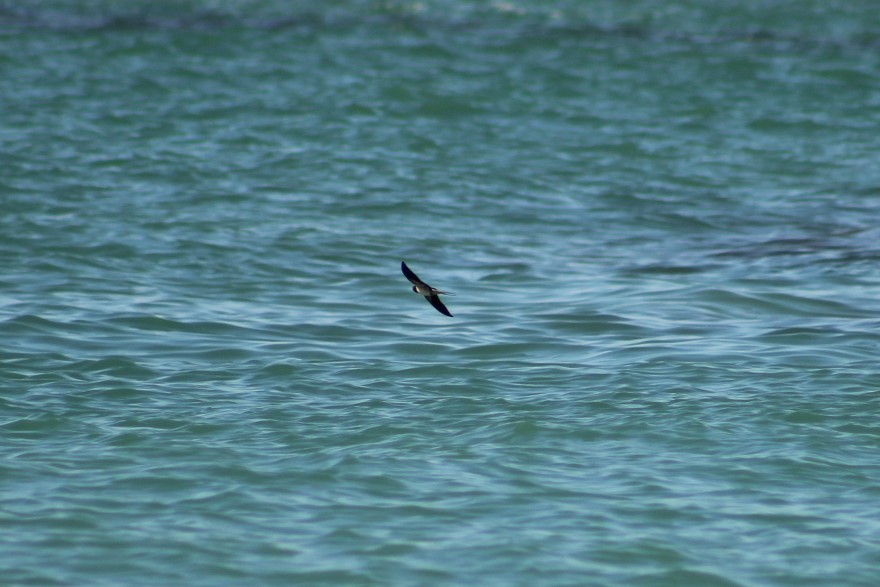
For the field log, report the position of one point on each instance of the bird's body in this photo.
(432, 294)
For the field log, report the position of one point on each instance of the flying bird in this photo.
(432, 294)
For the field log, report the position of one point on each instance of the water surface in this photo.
(660, 221)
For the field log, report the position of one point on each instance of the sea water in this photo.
(660, 221)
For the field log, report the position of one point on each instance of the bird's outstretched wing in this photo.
(409, 274)
(435, 301)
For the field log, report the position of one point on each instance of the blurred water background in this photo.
(660, 219)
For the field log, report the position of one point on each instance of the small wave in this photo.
(776, 304)
(684, 577)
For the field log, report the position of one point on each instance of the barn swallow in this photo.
(432, 294)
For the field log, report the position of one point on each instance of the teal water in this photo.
(660, 221)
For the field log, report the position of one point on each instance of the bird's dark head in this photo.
(415, 290)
